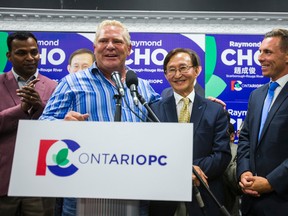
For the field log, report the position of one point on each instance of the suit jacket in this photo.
(211, 149)
(267, 157)
(169, 91)
(10, 113)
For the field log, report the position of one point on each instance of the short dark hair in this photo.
(282, 34)
(81, 51)
(20, 35)
(195, 60)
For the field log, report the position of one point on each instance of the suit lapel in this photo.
(197, 111)
(40, 86)
(276, 105)
(170, 109)
(258, 110)
(11, 86)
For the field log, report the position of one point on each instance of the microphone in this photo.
(132, 83)
(116, 77)
(150, 111)
(198, 197)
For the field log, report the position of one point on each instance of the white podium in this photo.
(108, 166)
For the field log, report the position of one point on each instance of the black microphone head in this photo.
(131, 78)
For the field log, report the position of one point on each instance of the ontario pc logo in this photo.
(56, 152)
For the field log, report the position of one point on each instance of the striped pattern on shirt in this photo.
(90, 92)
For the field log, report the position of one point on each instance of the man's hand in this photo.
(254, 185)
(196, 181)
(29, 96)
(216, 100)
(75, 116)
(246, 182)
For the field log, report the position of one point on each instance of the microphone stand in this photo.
(150, 111)
(221, 207)
(117, 114)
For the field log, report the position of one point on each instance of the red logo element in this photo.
(43, 149)
(233, 85)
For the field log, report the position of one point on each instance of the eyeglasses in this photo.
(182, 69)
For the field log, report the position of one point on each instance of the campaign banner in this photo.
(232, 67)
(238, 112)
(55, 50)
(113, 160)
(150, 49)
(146, 58)
(231, 70)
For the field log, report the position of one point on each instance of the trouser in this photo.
(69, 207)
(26, 206)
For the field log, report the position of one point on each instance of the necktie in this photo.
(184, 112)
(267, 104)
(183, 117)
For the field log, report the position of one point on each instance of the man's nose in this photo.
(260, 57)
(30, 56)
(110, 45)
(178, 73)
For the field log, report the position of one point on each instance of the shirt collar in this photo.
(178, 97)
(19, 78)
(94, 69)
(282, 81)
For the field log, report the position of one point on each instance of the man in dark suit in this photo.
(24, 93)
(262, 165)
(211, 150)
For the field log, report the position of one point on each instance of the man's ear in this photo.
(69, 68)
(198, 70)
(8, 55)
(166, 76)
(129, 49)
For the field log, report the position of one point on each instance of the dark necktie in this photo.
(267, 104)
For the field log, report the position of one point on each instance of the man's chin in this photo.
(265, 73)
(179, 90)
(111, 64)
(30, 70)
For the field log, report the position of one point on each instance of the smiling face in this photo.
(111, 50)
(80, 62)
(273, 60)
(182, 83)
(24, 56)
